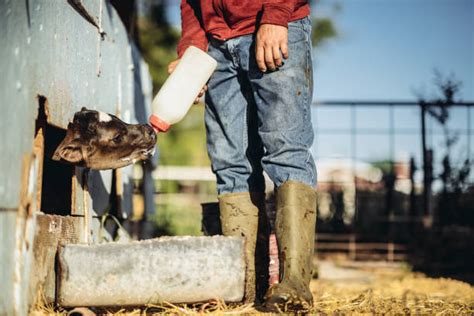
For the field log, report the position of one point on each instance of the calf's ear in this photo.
(69, 150)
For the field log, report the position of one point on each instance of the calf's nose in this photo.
(148, 130)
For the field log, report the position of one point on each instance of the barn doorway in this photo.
(56, 178)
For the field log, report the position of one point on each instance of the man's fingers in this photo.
(269, 59)
(260, 57)
(172, 66)
(284, 49)
(201, 93)
(203, 90)
(277, 56)
(196, 101)
(270, 39)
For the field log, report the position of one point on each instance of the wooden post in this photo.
(427, 160)
(390, 252)
(352, 247)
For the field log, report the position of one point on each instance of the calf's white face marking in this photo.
(104, 117)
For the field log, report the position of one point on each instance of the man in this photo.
(258, 118)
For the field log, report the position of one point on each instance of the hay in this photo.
(390, 292)
(409, 294)
(40, 307)
(208, 308)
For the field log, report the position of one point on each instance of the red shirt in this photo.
(225, 19)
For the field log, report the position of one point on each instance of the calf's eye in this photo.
(117, 139)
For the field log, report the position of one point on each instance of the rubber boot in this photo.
(295, 231)
(243, 214)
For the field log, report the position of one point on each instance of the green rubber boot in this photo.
(243, 214)
(295, 231)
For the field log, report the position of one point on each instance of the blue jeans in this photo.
(260, 121)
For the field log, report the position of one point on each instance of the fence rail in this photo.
(348, 245)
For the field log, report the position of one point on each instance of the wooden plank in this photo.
(335, 237)
(376, 257)
(51, 231)
(359, 246)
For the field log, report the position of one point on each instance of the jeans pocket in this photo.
(299, 30)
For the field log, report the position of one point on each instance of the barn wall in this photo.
(49, 49)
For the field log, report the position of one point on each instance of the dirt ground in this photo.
(349, 288)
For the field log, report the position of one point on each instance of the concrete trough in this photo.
(167, 269)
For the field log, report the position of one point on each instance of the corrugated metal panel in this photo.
(49, 49)
(7, 263)
(17, 119)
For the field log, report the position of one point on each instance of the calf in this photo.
(98, 140)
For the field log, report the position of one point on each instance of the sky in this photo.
(388, 50)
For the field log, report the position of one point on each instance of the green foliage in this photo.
(158, 40)
(177, 220)
(323, 30)
(384, 165)
(185, 143)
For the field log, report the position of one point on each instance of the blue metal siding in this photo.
(47, 48)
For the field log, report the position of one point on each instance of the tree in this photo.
(323, 27)
(157, 40)
(184, 144)
(454, 176)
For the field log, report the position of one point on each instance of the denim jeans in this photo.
(260, 121)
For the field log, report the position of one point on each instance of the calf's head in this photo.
(99, 140)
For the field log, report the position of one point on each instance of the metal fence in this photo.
(393, 163)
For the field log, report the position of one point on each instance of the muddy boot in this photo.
(295, 232)
(239, 213)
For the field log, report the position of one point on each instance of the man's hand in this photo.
(271, 44)
(172, 65)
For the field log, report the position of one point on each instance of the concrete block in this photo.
(171, 269)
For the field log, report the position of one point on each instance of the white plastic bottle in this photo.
(182, 87)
